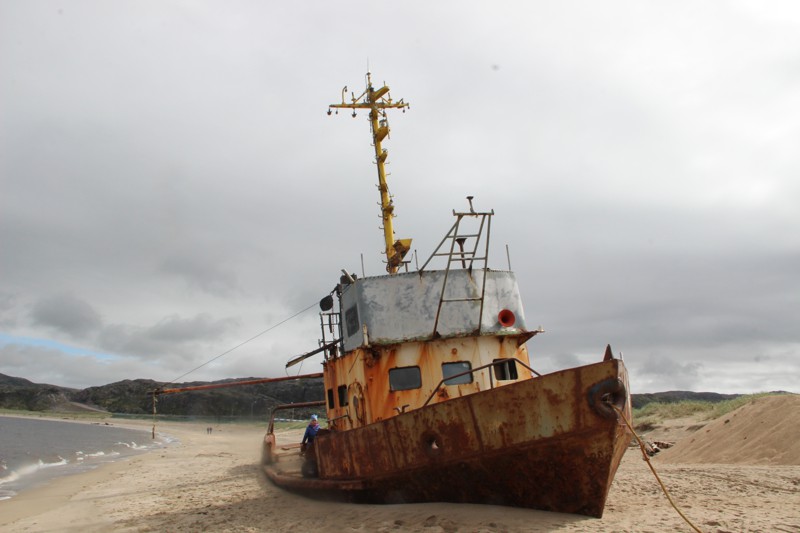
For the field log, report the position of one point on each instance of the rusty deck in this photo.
(549, 443)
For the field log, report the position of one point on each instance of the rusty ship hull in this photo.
(551, 443)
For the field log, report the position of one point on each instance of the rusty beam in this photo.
(312, 352)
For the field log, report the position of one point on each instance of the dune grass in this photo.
(655, 413)
(727, 406)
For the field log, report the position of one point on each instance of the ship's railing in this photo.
(473, 370)
(284, 407)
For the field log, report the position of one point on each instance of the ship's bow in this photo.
(553, 443)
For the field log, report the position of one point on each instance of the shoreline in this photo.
(214, 483)
(95, 500)
(39, 469)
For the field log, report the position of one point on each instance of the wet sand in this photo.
(213, 483)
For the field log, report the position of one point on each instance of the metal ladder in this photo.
(467, 257)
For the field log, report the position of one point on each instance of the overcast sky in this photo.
(171, 185)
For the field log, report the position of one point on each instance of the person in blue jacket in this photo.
(311, 431)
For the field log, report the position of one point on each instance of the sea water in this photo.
(33, 451)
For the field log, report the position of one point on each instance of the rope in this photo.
(242, 343)
(652, 468)
(226, 352)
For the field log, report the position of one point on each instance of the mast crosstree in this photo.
(377, 101)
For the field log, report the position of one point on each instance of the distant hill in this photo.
(132, 397)
(19, 393)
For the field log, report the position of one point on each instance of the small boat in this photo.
(430, 392)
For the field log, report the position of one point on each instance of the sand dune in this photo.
(765, 431)
(213, 483)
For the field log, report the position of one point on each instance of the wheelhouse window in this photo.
(330, 399)
(351, 320)
(342, 395)
(505, 369)
(405, 378)
(451, 369)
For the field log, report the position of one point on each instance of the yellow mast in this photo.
(378, 101)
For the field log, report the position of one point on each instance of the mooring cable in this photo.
(652, 468)
(226, 352)
(155, 394)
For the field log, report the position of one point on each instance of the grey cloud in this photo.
(68, 314)
(642, 179)
(172, 336)
(49, 365)
(202, 326)
(201, 273)
(8, 302)
(667, 371)
(547, 363)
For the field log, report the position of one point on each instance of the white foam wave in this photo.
(167, 439)
(132, 445)
(95, 454)
(32, 468)
(61, 462)
(13, 476)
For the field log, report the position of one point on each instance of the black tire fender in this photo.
(609, 391)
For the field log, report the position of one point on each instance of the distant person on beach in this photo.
(311, 432)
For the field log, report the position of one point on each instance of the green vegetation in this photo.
(56, 413)
(664, 411)
(723, 408)
(656, 412)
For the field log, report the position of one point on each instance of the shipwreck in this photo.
(430, 392)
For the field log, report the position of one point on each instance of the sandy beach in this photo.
(214, 483)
